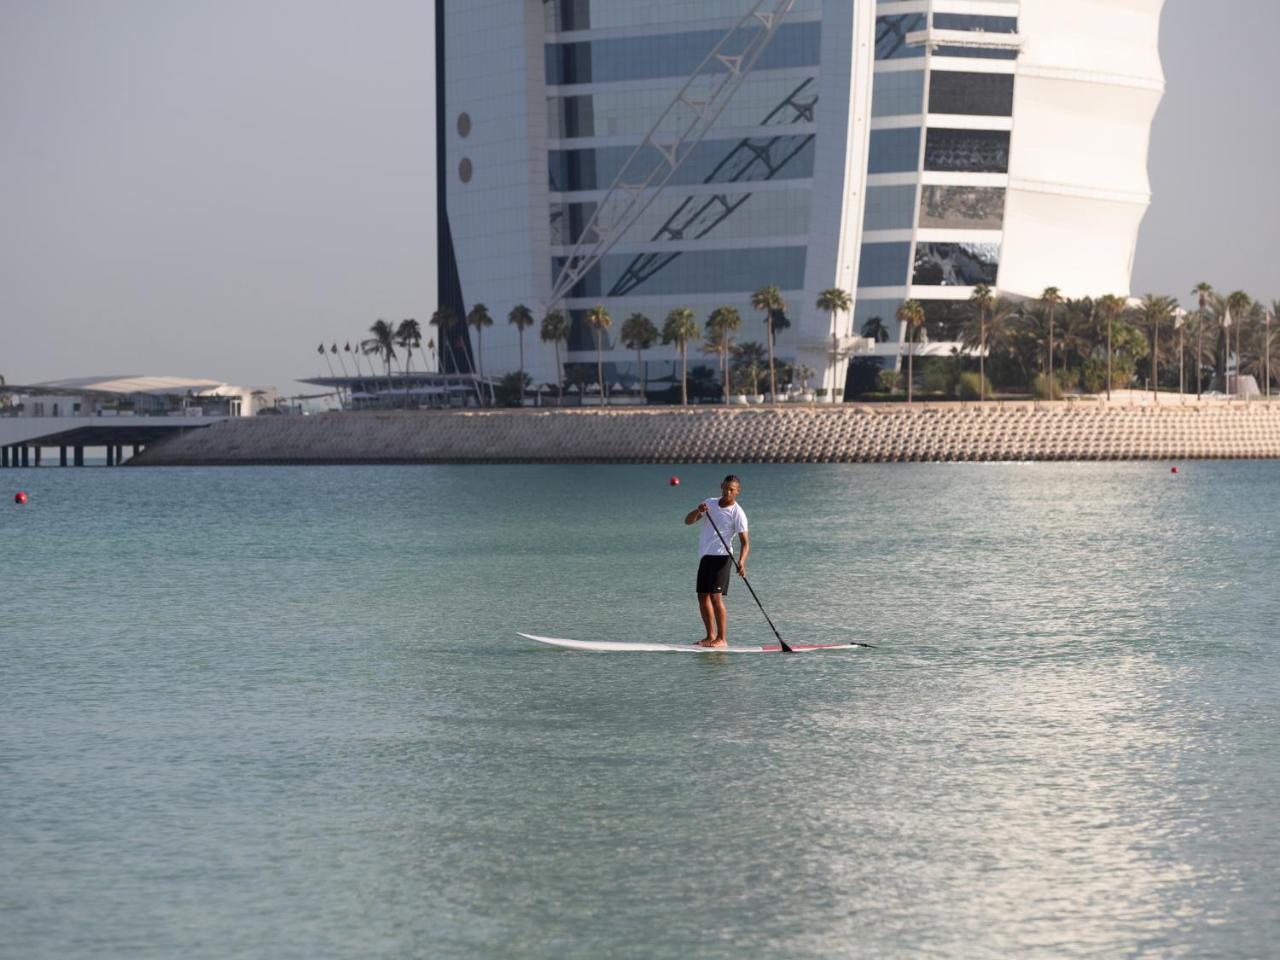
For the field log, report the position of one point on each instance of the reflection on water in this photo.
(282, 712)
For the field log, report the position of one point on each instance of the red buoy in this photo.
(1175, 470)
(20, 497)
(674, 481)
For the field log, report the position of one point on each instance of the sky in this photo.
(209, 189)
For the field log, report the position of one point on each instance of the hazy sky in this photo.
(210, 188)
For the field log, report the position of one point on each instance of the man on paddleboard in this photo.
(713, 567)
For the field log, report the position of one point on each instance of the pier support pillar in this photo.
(79, 456)
(111, 455)
(4, 456)
(39, 452)
(26, 456)
(119, 454)
(62, 455)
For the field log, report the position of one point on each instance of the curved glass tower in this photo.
(906, 148)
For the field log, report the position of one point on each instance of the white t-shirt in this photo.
(730, 520)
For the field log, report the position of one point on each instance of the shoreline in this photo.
(994, 431)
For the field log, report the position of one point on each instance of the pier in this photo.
(23, 440)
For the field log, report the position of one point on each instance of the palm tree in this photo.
(479, 318)
(1051, 297)
(833, 301)
(679, 328)
(382, 343)
(522, 317)
(1238, 304)
(1110, 306)
(408, 336)
(1203, 291)
(639, 334)
(769, 300)
(442, 320)
(555, 330)
(1154, 311)
(599, 320)
(981, 300)
(911, 316)
(721, 325)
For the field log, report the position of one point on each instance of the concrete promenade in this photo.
(841, 433)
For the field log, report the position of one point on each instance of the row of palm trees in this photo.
(1092, 332)
(639, 333)
(1020, 335)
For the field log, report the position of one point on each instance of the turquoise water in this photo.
(283, 713)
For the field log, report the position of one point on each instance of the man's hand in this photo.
(702, 508)
(742, 569)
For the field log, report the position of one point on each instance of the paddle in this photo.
(783, 643)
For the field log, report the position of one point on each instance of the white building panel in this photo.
(1088, 84)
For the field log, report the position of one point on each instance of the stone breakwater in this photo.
(845, 433)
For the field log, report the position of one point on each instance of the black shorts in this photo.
(713, 574)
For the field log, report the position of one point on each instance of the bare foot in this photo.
(717, 643)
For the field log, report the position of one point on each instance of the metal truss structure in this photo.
(658, 157)
(752, 159)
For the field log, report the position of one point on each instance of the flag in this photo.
(348, 347)
(334, 348)
(320, 349)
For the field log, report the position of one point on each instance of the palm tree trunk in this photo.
(768, 332)
(640, 365)
(521, 403)
(1110, 318)
(684, 373)
(600, 363)
(1199, 352)
(911, 354)
(1049, 372)
(559, 375)
(1182, 363)
(1155, 362)
(982, 355)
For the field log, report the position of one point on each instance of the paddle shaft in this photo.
(728, 550)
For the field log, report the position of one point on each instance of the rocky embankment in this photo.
(845, 433)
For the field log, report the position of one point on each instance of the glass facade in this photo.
(898, 94)
(956, 264)
(890, 208)
(739, 215)
(884, 264)
(620, 59)
(962, 208)
(894, 151)
(690, 272)
(891, 36)
(967, 151)
(714, 161)
(563, 15)
(973, 94)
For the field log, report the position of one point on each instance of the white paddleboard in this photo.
(610, 646)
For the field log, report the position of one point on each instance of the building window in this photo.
(973, 94)
(884, 264)
(714, 161)
(956, 264)
(982, 24)
(897, 94)
(890, 208)
(891, 36)
(691, 272)
(967, 151)
(894, 151)
(674, 54)
(962, 208)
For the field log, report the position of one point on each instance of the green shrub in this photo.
(890, 381)
(971, 386)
